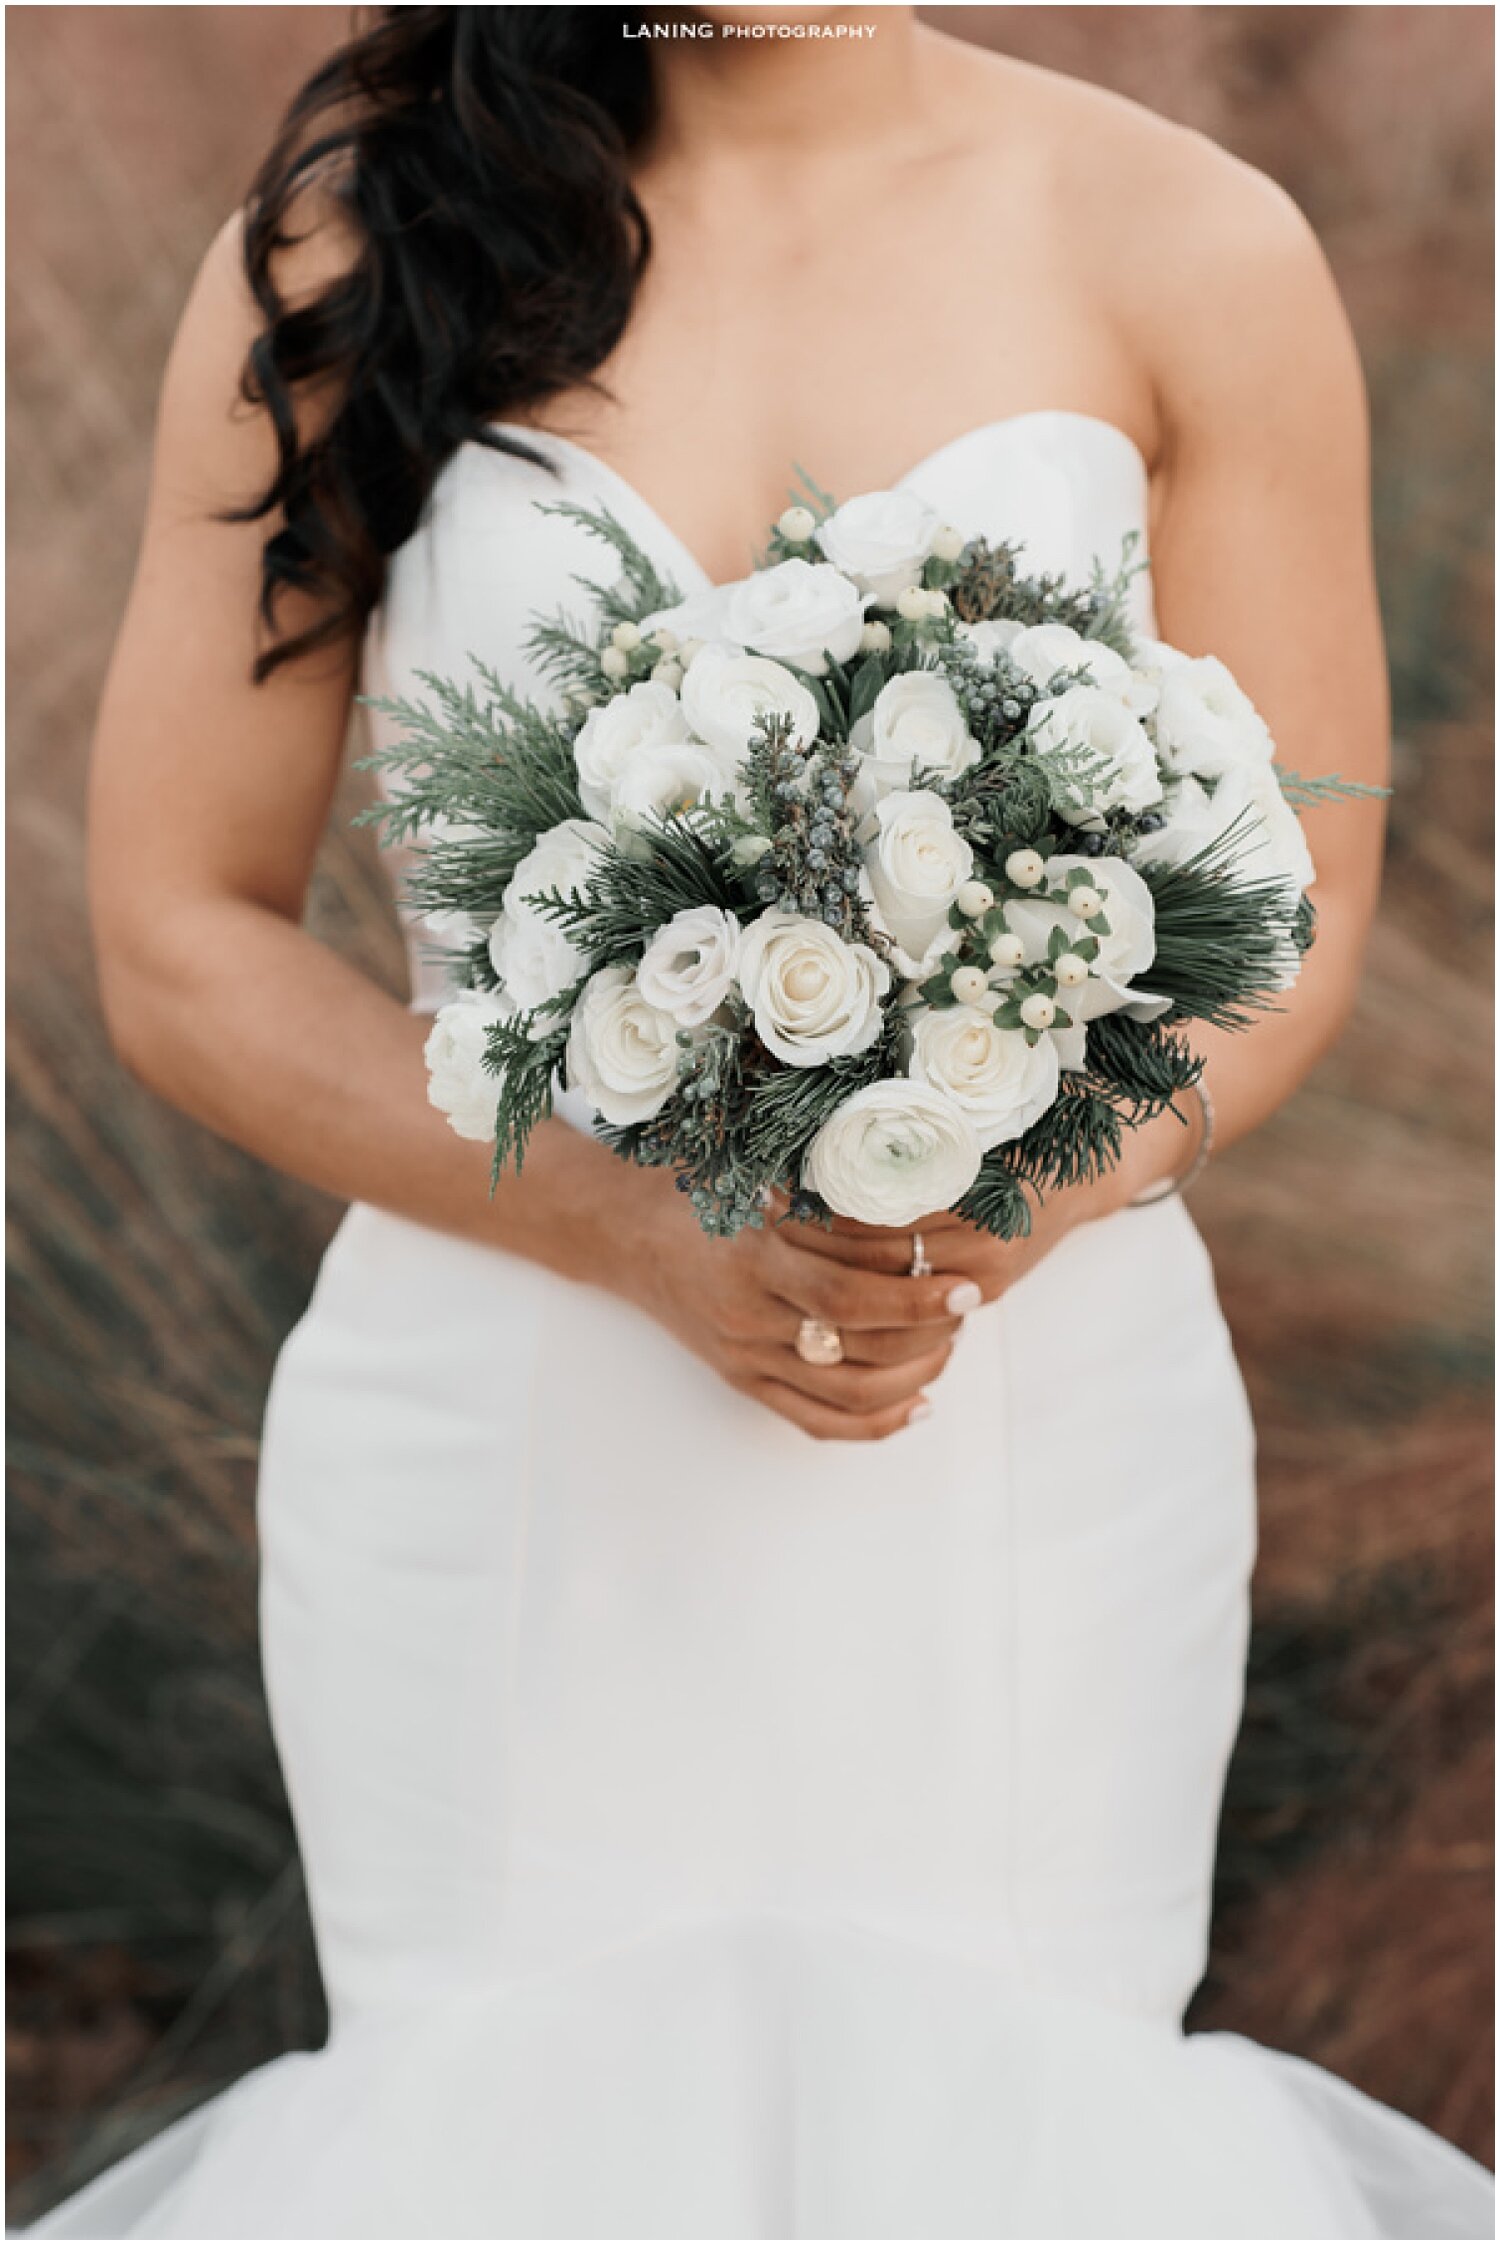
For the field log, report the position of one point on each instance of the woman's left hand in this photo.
(958, 1249)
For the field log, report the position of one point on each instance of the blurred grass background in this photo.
(158, 1940)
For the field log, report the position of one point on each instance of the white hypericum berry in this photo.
(936, 604)
(1069, 970)
(665, 642)
(974, 899)
(1038, 1011)
(1085, 902)
(797, 525)
(1007, 951)
(626, 637)
(688, 649)
(912, 604)
(968, 985)
(614, 663)
(668, 673)
(875, 639)
(1026, 869)
(949, 543)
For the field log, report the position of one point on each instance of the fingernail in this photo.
(921, 1409)
(965, 1296)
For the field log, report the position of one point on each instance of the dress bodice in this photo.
(487, 557)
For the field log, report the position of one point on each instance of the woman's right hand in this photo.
(738, 1304)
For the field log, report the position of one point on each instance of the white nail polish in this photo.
(964, 1297)
(921, 1409)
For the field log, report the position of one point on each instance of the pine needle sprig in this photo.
(1306, 794)
(1223, 943)
(525, 1053)
(997, 1200)
(1140, 1062)
(667, 865)
(476, 754)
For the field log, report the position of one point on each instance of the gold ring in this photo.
(920, 1267)
(818, 1342)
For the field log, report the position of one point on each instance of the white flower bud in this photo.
(974, 899)
(1007, 951)
(911, 604)
(1069, 971)
(968, 985)
(688, 649)
(797, 525)
(626, 637)
(1085, 902)
(614, 663)
(1025, 869)
(875, 639)
(1038, 1011)
(949, 543)
(665, 642)
(936, 604)
(668, 673)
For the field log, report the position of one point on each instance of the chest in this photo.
(841, 341)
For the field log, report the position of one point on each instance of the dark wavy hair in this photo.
(480, 157)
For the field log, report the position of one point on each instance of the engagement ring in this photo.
(818, 1342)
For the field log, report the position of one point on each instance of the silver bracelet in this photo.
(1166, 1188)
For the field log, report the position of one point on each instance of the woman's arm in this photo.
(209, 798)
(1261, 554)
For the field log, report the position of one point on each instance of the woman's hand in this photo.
(738, 1304)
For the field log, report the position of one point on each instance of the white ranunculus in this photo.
(689, 965)
(622, 1052)
(916, 725)
(726, 691)
(1000, 1079)
(1206, 723)
(988, 640)
(893, 1153)
(613, 735)
(881, 541)
(528, 951)
(458, 1083)
(814, 997)
(799, 612)
(1117, 769)
(1043, 651)
(1126, 948)
(917, 864)
(671, 776)
(700, 616)
(1268, 842)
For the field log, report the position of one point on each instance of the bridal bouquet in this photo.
(890, 876)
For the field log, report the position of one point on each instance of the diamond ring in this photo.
(818, 1342)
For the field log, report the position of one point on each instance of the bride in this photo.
(741, 1797)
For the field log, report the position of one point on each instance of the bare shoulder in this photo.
(1204, 266)
(206, 419)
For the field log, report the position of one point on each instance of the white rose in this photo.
(800, 612)
(622, 1053)
(1267, 838)
(528, 950)
(1117, 769)
(726, 691)
(917, 864)
(916, 724)
(612, 735)
(1042, 651)
(1126, 948)
(458, 1083)
(881, 541)
(670, 776)
(689, 965)
(893, 1153)
(1206, 724)
(814, 997)
(988, 640)
(1000, 1079)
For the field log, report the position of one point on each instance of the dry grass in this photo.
(158, 1939)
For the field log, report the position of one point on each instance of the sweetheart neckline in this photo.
(1005, 424)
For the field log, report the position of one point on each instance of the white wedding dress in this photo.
(711, 1833)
